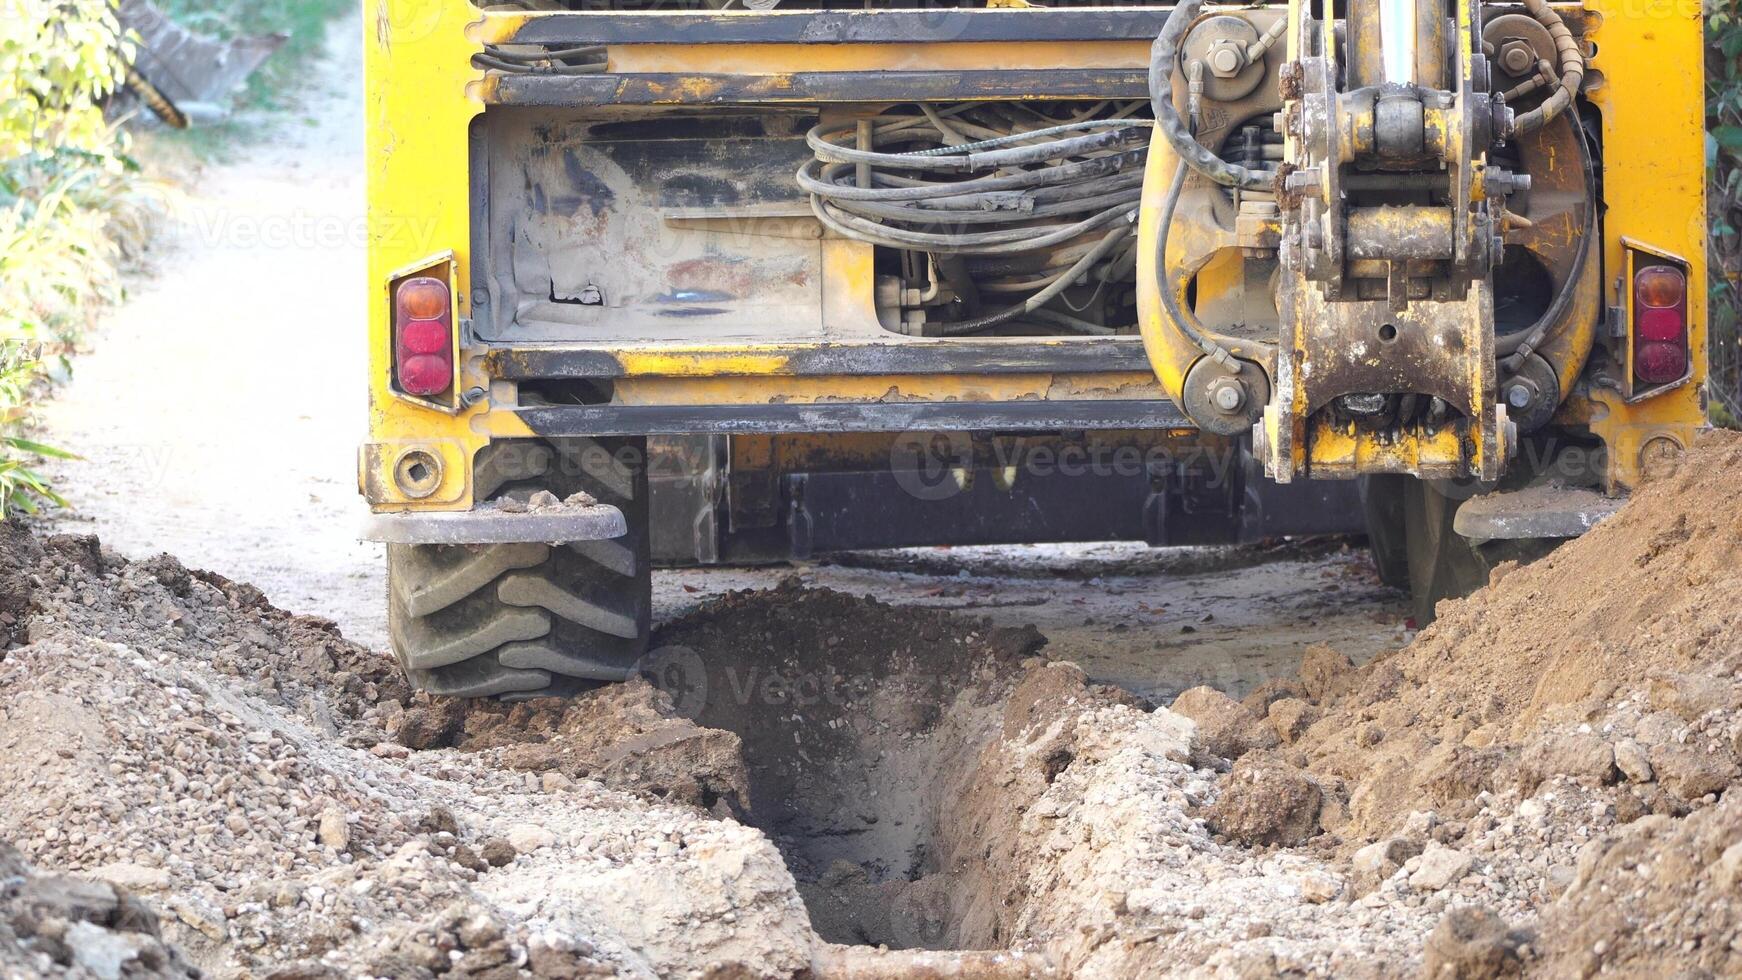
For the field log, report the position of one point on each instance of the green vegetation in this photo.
(69, 206)
(1724, 204)
(72, 201)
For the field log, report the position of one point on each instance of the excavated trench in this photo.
(865, 733)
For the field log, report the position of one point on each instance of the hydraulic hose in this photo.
(1514, 351)
(1002, 210)
(1572, 64)
(1039, 299)
(1163, 56)
(1187, 320)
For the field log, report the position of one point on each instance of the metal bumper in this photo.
(487, 525)
(1540, 511)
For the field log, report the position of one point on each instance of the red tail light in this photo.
(423, 332)
(1660, 324)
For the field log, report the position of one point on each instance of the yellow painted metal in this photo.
(416, 61)
(1344, 453)
(422, 99)
(1654, 190)
(1170, 352)
(419, 113)
(1654, 193)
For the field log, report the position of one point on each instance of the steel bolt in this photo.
(1227, 395)
(1225, 61)
(1517, 57)
(1518, 396)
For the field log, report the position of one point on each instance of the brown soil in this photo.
(1609, 671)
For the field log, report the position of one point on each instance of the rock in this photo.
(1690, 772)
(198, 916)
(1585, 758)
(134, 877)
(1290, 717)
(471, 860)
(100, 951)
(1472, 943)
(431, 726)
(497, 851)
(1225, 728)
(1265, 800)
(555, 782)
(1633, 761)
(1691, 696)
(439, 820)
(480, 929)
(333, 831)
(1260, 698)
(526, 838)
(304, 970)
(1324, 672)
(1379, 860)
(1420, 823)
(1727, 870)
(1439, 867)
(169, 572)
(1319, 887)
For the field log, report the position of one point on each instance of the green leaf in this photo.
(38, 448)
(1728, 137)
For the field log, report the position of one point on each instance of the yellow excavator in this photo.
(673, 283)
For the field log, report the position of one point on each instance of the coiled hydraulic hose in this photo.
(1572, 64)
(1024, 211)
(1057, 286)
(1515, 349)
(1163, 56)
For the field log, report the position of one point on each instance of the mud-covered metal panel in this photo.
(670, 227)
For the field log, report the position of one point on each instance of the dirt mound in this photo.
(626, 736)
(1659, 896)
(170, 732)
(1547, 714)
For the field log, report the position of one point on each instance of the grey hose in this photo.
(1572, 64)
(1163, 55)
(1041, 298)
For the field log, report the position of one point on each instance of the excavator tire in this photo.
(530, 619)
(1415, 547)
